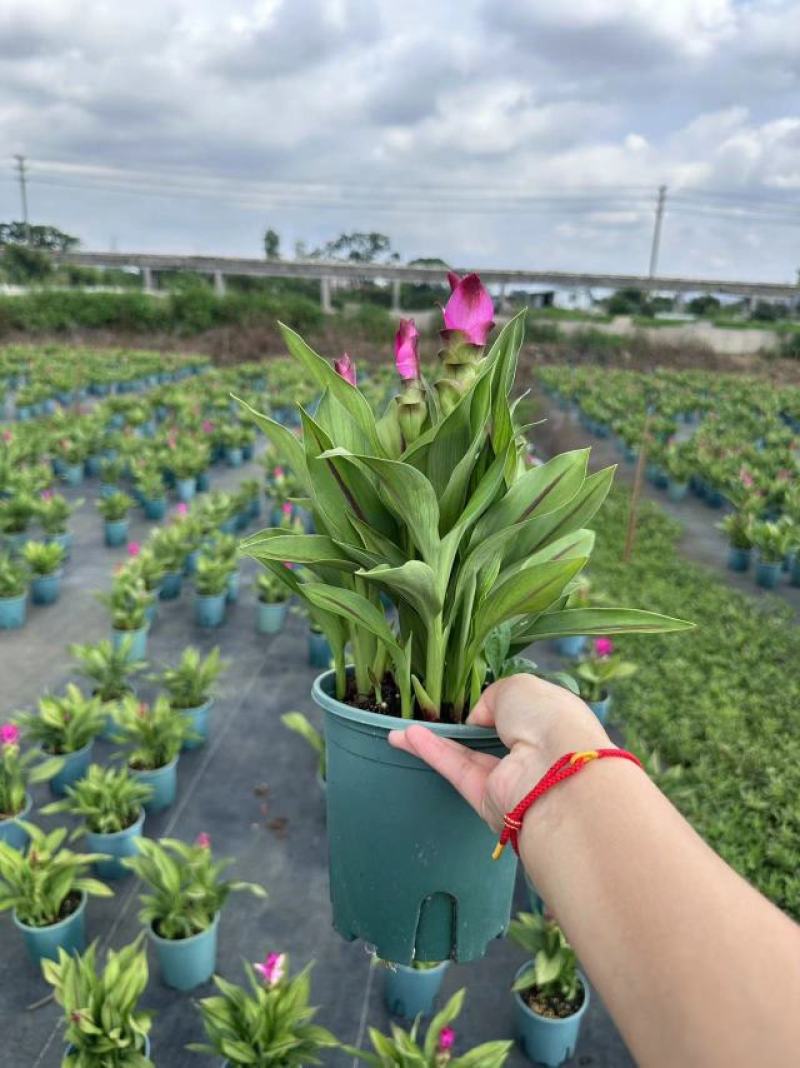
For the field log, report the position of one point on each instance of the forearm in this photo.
(661, 924)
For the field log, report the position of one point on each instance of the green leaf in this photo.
(414, 581)
(281, 437)
(527, 592)
(307, 549)
(597, 621)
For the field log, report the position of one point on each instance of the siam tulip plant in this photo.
(115, 506)
(127, 601)
(152, 734)
(738, 529)
(102, 1024)
(772, 539)
(598, 670)
(268, 1026)
(185, 889)
(271, 589)
(551, 986)
(443, 515)
(168, 545)
(190, 683)
(112, 471)
(149, 482)
(53, 512)
(300, 724)
(107, 800)
(13, 576)
(19, 770)
(212, 574)
(63, 724)
(43, 558)
(109, 667)
(16, 513)
(147, 565)
(401, 1049)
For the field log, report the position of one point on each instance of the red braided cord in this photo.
(566, 766)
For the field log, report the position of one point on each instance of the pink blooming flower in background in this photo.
(143, 711)
(345, 368)
(9, 734)
(278, 472)
(406, 357)
(272, 969)
(208, 426)
(47, 495)
(134, 548)
(203, 840)
(746, 478)
(447, 1038)
(182, 508)
(7, 436)
(603, 646)
(286, 508)
(469, 309)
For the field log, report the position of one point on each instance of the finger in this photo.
(465, 770)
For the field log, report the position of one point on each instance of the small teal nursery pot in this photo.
(10, 831)
(116, 847)
(186, 488)
(187, 962)
(64, 539)
(201, 721)
(270, 618)
(714, 499)
(190, 563)
(138, 648)
(572, 646)
(116, 532)
(232, 593)
(739, 559)
(209, 609)
(45, 589)
(409, 992)
(233, 457)
(229, 525)
(155, 508)
(171, 585)
(676, 491)
(203, 482)
(794, 577)
(543, 1039)
(91, 466)
(108, 488)
(43, 943)
(151, 612)
(72, 474)
(164, 781)
(601, 708)
(767, 574)
(75, 767)
(13, 611)
(319, 650)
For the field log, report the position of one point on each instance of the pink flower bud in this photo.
(278, 472)
(208, 426)
(406, 357)
(203, 840)
(7, 436)
(272, 969)
(181, 508)
(447, 1038)
(134, 548)
(9, 734)
(346, 369)
(603, 646)
(287, 508)
(47, 495)
(469, 309)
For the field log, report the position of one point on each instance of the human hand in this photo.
(537, 721)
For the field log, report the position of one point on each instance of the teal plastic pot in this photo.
(209, 609)
(229, 525)
(72, 474)
(43, 943)
(794, 577)
(64, 540)
(201, 721)
(767, 574)
(155, 508)
(164, 781)
(571, 647)
(151, 612)
(171, 585)
(233, 457)
(203, 483)
(676, 491)
(601, 707)
(187, 962)
(108, 488)
(270, 618)
(46, 588)
(190, 563)
(75, 767)
(412, 876)
(232, 592)
(108, 731)
(545, 1040)
(14, 543)
(410, 992)
(13, 611)
(138, 648)
(319, 650)
(91, 466)
(10, 831)
(185, 488)
(738, 559)
(116, 532)
(116, 847)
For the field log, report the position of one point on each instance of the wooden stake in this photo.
(636, 492)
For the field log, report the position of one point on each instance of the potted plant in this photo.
(47, 888)
(16, 513)
(678, 465)
(65, 727)
(128, 602)
(110, 802)
(16, 774)
(437, 1050)
(53, 513)
(410, 990)
(461, 549)
(551, 994)
(596, 673)
(738, 529)
(772, 539)
(44, 560)
(72, 453)
(102, 1024)
(154, 735)
(211, 586)
(110, 668)
(300, 724)
(150, 484)
(189, 688)
(273, 601)
(169, 549)
(181, 906)
(112, 472)
(13, 592)
(268, 1025)
(187, 458)
(149, 568)
(114, 509)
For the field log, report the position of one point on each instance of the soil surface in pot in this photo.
(70, 904)
(131, 820)
(180, 938)
(389, 704)
(552, 1006)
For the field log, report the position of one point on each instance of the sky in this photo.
(504, 133)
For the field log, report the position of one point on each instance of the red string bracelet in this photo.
(566, 766)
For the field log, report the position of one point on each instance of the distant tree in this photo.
(300, 250)
(21, 265)
(429, 261)
(272, 244)
(358, 248)
(45, 238)
(629, 301)
(767, 312)
(704, 305)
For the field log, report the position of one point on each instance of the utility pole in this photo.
(660, 203)
(23, 192)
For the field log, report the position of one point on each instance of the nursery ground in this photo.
(253, 789)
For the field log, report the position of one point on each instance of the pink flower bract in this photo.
(182, 508)
(346, 369)
(447, 1037)
(9, 734)
(287, 508)
(203, 840)
(134, 548)
(469, 309)
(272, 969)
(406, 357)
(603, 646)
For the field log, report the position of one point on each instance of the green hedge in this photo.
(720, 706)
